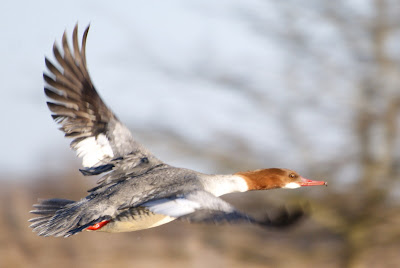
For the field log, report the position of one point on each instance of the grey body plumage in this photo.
(136, 190)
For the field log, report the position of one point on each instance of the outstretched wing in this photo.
(98, 136)
(204, 207)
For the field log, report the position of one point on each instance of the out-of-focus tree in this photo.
(371, 40)
(362, 54)
(341, 71)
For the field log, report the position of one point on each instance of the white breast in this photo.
(130, 224)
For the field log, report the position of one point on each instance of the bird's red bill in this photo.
(307, 182)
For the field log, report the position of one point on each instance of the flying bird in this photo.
(137, 190)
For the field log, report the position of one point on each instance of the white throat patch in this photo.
(292, 185)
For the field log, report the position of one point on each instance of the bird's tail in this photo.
(61, 217)
(58, 217)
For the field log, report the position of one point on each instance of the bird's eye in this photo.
(292, 175)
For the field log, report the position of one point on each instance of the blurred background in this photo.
(220, 87)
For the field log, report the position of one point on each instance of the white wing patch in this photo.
(93, 150)
(173, 208)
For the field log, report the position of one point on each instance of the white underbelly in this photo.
(135, 220)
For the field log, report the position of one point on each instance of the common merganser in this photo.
(137, 190)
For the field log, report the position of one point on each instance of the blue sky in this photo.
(175, 65)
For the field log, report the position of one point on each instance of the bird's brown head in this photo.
(264, 179)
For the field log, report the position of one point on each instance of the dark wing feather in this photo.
(122, 168)
(98, 136)
(284, 219)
